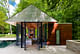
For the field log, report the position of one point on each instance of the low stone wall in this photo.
(73, 45)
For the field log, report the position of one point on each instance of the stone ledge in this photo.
(73, 45)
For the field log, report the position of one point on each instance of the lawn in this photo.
(7, 35)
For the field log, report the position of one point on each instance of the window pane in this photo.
(57, 36)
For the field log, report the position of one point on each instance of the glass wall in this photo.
(57, 37)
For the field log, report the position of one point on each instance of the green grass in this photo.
(7, 35)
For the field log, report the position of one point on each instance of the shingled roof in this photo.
(31, 14)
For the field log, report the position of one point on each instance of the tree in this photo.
(65, 11)
(3, 16)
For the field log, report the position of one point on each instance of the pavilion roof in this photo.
(31, 14)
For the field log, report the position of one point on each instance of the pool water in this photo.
(5, 43)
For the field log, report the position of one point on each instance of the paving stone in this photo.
(13, 49)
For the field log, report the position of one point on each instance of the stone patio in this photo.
(13, 49)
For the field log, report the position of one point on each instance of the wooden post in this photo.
(41, 38)
(24, 36)
(37, 31)
(29, 31)
(17, 34)
(45, 29)
(38, 38)
(21, 35)
(34, 33)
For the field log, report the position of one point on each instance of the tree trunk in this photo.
(2, 29)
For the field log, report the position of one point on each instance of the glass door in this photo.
(57, 37)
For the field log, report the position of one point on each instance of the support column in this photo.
(21, 35)
(41, 38)
(38, 38)
(29, 31)
(37, 31)
(34, 33)
(45, 29)
(17, 34)
(24, 36)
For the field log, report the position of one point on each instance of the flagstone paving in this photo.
(13, 49)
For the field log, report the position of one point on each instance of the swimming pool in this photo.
(4, 44)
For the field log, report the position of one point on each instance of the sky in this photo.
(13, 8)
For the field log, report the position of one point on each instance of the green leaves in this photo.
(2, 18)
(62, 10)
